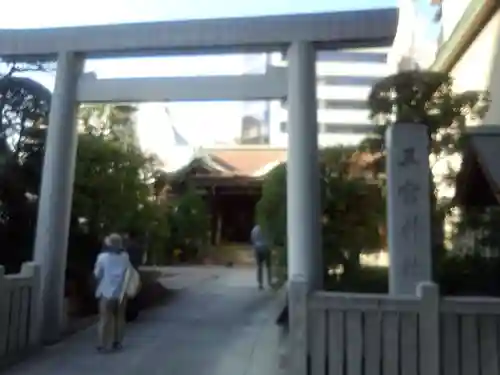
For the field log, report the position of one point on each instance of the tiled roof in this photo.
(256, 161)
(247, 161)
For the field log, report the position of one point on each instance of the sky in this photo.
(63, 13)
(192, 118)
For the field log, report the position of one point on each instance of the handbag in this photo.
(132, 283)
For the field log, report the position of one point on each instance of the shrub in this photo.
(353, 210)
(189, 224)
(460, 276)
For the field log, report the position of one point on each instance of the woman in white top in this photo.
(110, 271)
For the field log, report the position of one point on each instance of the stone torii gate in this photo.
(300, 35)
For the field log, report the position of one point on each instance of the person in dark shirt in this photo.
(134, 250)
(262, 252)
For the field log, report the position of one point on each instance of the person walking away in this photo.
(262, 255)
(135, 254)
(110, 272)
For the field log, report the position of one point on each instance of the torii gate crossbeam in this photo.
(301, 35)
(330, 30)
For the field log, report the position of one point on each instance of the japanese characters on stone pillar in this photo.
(408, 207)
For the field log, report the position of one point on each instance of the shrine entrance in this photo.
(299, 35)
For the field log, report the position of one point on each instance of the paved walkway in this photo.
(220, 324)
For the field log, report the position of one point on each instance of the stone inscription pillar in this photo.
(408, 207)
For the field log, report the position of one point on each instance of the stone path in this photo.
(219, 324)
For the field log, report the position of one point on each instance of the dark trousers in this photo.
(263, 260)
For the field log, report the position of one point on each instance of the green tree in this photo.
(352, 210)
(113, 180)
(154, 222)
(426, 98)
(109, 186)
(189, 223)
(24, 108)
(483, 224)
(115, 122)
(271, 208)
(112, 191)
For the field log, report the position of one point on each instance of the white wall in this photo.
(479, 68)
(473, 71)
(452, 12)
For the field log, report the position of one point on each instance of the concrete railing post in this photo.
(32, 270)
(429, 330)
(4, 311)
(298, 336)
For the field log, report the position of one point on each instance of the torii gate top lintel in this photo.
(367, 28)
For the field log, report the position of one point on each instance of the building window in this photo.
(322, 104)
(331, 128)
(283, 126)
(367, 56)
(341, 80)
(333, 104)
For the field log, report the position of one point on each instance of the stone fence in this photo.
(19, 306)
(422, 334)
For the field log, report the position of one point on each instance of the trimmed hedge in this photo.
(464, 276)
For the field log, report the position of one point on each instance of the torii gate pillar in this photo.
(56, 192)
(303, 190)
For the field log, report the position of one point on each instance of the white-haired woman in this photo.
(110, 272)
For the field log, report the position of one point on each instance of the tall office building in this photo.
(344, 81)
(255, 114)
